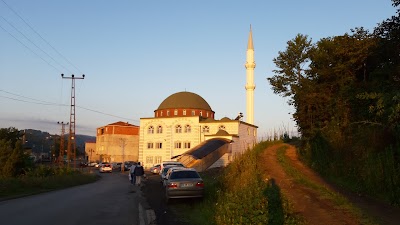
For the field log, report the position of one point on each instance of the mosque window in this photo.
(184, 112)
(207, 115)
(178, 129)
(150, 145)
(178, 144)
(157, 159)
(206, 129)
(149, 159)
(159, 129)
(193, 113)
(187, 144)
(201, 113)
(188, 129)
(175, 112)
(222, 127)
(167, 112)
(161, 113)
(150, 130)
(158, 145)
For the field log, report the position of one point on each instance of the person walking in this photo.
(132, 174)
(138, 171)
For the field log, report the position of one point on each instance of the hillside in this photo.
(41, 141)
(317, 200)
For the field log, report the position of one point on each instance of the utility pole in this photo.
(61, 155)
(71, 149)
(123, 144)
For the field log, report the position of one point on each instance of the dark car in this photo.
(128, 164)
(184, 183)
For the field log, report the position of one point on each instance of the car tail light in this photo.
(172, 185)
(200, 184)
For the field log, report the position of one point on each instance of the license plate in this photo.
(186, 185)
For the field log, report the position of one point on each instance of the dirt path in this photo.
(308, 202)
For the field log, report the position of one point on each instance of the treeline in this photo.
(346, 94)
(13, 160)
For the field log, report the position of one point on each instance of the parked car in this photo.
(184, 183)
(116, 166)
(101, 164)
(155, 169)
(128, 164)
(164, 171)
(92, 164)
(105, 167)
(165, 163)
(169, 170)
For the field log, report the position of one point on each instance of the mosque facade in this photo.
(184, 120)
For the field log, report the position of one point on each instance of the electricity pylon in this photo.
(61, 155)
(71, 149)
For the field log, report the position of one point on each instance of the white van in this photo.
(172, 163)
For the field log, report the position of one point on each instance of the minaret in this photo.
(250, 86)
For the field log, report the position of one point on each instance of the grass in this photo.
(14, 187)
(238, 194)
(324, 192)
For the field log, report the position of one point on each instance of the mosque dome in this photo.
(184, 100)
(184, 104)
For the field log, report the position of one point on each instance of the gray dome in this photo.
(184, 100)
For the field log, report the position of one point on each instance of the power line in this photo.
(29, 48)
(70, 63)
(41, 102)
(34, 43)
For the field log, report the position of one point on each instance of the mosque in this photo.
(184, 128)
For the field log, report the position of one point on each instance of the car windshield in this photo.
(184, 174)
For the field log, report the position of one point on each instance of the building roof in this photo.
(120, 123)
(184, 100)
(207, 147)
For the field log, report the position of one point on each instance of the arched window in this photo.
(178, 129)
(201, 113)
(206, 129)
(222, 127)
(175, 112)
(167, 112)
(150, 130)
(184, 112)
(161, 113)
(188, 129)
(193, 113)
(159, 129)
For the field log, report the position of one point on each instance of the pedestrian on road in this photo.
(132, 174)
(139, 172)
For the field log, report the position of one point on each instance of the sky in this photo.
(134, 54)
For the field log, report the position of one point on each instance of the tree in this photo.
(12, 158)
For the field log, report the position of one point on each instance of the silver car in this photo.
(184, 183)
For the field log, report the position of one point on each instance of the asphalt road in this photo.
(111, 200)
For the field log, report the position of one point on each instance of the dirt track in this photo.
(308, 202)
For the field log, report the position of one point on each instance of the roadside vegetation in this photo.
(20, 176)
(324, 193)
(345, 93)
(238, 194)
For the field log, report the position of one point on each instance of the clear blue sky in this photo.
(136, 53)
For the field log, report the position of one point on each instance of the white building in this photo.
(185, 120)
